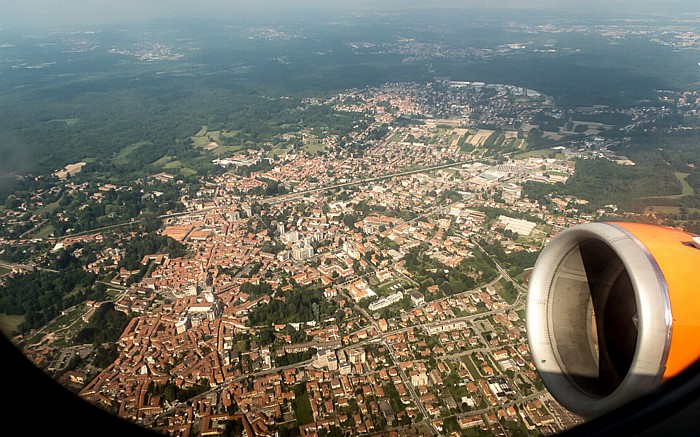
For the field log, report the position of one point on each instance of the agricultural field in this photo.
(480, 137)
(212, 140)
(539, 153)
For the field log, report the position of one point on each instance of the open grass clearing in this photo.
(686, 189)
(163, 161)
(9, 323)
(123, 158)
(66, 121)
(392, 286)
(471, 367)
(48, 208)
(539, 153)
(278, 151)
(397, 137)
(665, 209)
(314, 146)
(178, 165)
(303, 409)
(200, 141)
(113, 292)
(204, 138)
(174, 164)
(227, 150)
(45, 232)
(508, 294)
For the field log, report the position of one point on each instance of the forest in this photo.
(41, 295)
(128, 117)
(604, 182)
(302, 304)
(105, 326)
(129, 133)
(428, 272)
(149, 244)
(515, 262)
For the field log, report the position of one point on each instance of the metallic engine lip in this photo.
(664, 293)
(654, 334)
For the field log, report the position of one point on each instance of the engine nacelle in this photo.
(613, 310)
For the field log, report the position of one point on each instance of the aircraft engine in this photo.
(613, 310)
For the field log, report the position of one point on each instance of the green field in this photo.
(4, 270)
(240, 346)
(202, 132)
(396, 137)
(174, 164)
(204, 136)
(163, 161)
(277, 151)
(314, 146)
(669, 209)
(664, 209)
(45, 232)
(539, 153)
(123, 155)
(508, 296)
(49, 208)
(177, 165)
(687, 190)
(9, 323)
(385, 289)
(113, 292)
(227, 150)
(66, 121)
(303, 409)
(471, 367)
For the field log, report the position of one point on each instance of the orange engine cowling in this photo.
(613, 310)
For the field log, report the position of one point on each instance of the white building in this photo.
(302, 250)
(326, 359)
(386, 301)
(522, 227)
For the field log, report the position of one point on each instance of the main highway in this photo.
(278, 198)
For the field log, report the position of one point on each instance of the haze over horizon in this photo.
(294, 216)
(47, 14)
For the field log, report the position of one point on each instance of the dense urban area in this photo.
(361, 272)
(378, 285)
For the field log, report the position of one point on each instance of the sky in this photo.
(62, 13)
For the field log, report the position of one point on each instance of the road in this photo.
(278, 198)
(120, 288)
(522, 290)
(226, 384)
(381, 335)
(32, 267)
(372, 179)
(406, 382)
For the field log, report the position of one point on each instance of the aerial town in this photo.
(372, 284)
